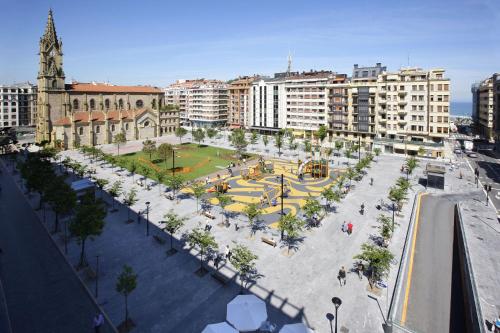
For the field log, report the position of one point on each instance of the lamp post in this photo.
(359, 149)
(282, 196)
(173, 162)
(147, 218)
(337, 302)
(487, 188)
(393, 210)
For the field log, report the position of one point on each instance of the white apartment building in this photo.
(267, 105)
(18, 105)
(484, 119)
(176, 94)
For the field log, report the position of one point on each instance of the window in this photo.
(92, 104)
(80, 130)
(126, 126)
(98, 129)
(139, 103)
(113, 128)
(106, 103)
(146, 124)
(76, 104)
(153, 103)
(120, 103)
(54, 84)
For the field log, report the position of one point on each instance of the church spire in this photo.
(50, 30)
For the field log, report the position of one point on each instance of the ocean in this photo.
(461, 109)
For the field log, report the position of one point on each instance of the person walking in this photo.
(344, 226)
(361, 268)
(98, 322)
(342, 276)
(217, 261)
(349, 228)
(227, 252)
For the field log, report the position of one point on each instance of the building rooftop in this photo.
(109, 88)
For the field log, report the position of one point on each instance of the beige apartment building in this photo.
(484, 114)
(239, 98)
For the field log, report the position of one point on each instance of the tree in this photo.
(160, 177)
(173, 223)
(174, 182)
(378, 259)
(322, 133)
(403, 184)
(149, 147)
(61, 198)
(133, 168)
(146, 171)
(129, 200)
(411, 164)
(278, 142)
(114, 191)
(291, 142)
(199, 135)
(350, 174)
(238, 141)
(88, 222)
(307, 146)
(348, 154)
(198, 191)
(224, 200)
(421, 151)
(397, 195)
(243, 260)
(330, 195)
(385, 226)
(118, 140)
(265, 140)
(254, 138)
(338, 146)
(211, 133)
(377, 151)
(203, 241)
(292, 226)
(126, 283)
(252, 212)
(311, 208)
(165, 151)
(180, 132)
(101, 183)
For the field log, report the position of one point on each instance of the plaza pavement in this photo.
(170, 296)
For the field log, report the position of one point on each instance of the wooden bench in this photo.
(209, 215)
(269, 241)
(90, 273)
(159, 239)
(220, 277)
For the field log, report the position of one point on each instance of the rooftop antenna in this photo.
(408, 60)
(289, 69)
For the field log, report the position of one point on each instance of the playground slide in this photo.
(302, 166)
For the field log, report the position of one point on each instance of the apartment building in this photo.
(207, 103)
(486, 108)
(176, 94)
(496, 106)
(18, 105)
(266, 113)
(412, 110)
(239, 101)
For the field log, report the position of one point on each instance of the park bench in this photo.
(220, 277)
(159, 239)
(269, 241)
(89, 272)
(209, 215)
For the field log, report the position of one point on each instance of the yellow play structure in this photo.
(272, 194)
(220, 186)
(258, 170)
(316, 168)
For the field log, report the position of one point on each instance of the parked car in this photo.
(472, 154)
(458, 151)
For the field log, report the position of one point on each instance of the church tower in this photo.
(51, 84)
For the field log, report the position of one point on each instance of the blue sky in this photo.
(157, 42)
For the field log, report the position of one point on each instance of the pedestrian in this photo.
(227, 252)
(349, 228)
(217, 261)
(139, 217)
(371, 181)
(342, 276)
(344, 226)
(98, 322)
(207, 180)
(361, 268)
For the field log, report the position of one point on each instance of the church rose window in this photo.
(139, 103)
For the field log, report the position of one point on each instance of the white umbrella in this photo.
(246, 313)
(296, 328)
(219, 328)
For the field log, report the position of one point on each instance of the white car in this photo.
(472, 154)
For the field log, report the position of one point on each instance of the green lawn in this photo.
(191, 161)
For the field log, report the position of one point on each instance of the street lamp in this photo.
(147, 218)
(337, 302)
(393, 210)
(487, 188)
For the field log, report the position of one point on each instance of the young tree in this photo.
(385, 226)
(243, 260)
(278, 142)
(411, 164)
(211, 133)
(133, 166)
(129, 200)
(338, 146)
(180, 132)
(265, 140)
(198, 191)
(61, 198)
(114, 191)
(101, 183)
(291, 142)
(126, 283)
(238, 141)
(160, 177)
(88, 222)
(403, 184)
(307, 146)
(350, 174)
(165, 151)
(198, 135)
(203, 241)
(173, 223)
(145, 171)
(322, 133)
(397, 195)
(224, 200)
(311, 208)
(292, 226)
(330, 195)
(118, 140)
(149, 147)
(377, 151)
(175, 183)
(253, 213)
(379, 260)
(421, 151)
(254, 138)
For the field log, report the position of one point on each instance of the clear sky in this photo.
(157, 42)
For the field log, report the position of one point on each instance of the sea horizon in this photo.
(463, 109)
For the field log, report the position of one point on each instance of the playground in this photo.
(261, 183)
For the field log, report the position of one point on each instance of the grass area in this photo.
(191, 161)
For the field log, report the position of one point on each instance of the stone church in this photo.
(77, 114)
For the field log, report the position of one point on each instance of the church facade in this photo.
(77, 114)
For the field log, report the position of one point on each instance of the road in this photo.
(489, 173)
(42, 292)
(427, 288)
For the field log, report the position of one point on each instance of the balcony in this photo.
(402, 93)
(382, 120)
(382, 111)
(402, 102)
(397, 141)
(402, 112)
(382, 101)
(402, 121)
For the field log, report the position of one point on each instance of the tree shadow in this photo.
(292, 244)
(377, 239)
